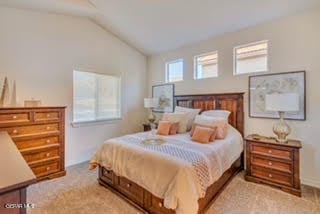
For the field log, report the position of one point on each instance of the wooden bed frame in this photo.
(148, 203)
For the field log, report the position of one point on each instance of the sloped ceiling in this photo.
(154, 26)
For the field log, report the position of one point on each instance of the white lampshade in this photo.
(151, 102)
(282, 102)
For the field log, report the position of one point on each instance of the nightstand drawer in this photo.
(272, 176)
(272, 164)
(271, 152)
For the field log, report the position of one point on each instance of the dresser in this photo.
(273, 163)
(38, 133)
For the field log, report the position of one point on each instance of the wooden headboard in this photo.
(232, 102)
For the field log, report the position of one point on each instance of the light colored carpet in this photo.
(79, 192)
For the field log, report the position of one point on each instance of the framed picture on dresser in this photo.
(165, 94)
(277, 83)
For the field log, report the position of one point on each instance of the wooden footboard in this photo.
(148, 203)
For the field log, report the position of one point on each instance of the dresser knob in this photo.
(48, 141)
(270, 163)
(48, 127)
(128, 185)
(14, 117)
(270, 175)
(48, 168)
(48, 115)
(160, 204)
(48, 154)
(15, 131)
(270, 151)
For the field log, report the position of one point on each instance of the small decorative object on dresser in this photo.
(38, 133)
(273, 163)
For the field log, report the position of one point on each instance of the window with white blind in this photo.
(174, 71)
(96, 97)
(206, 65)
(251, 58)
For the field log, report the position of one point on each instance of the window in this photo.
(251, 58)
(96, 97)
(174, 71)
(206, 65)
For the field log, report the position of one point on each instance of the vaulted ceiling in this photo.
(154, 26)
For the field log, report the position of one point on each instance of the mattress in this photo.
(179, 170)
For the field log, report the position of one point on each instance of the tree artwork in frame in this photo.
(165, 94)
(289, 82)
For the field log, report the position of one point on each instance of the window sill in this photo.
(94, 122)
(250, 73)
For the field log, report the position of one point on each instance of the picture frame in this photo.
(165, 94)
(287, 82)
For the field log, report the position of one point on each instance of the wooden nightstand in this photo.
(273, 163)
(146, 127)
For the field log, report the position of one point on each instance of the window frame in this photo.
(167, 70)
(76, 124)
(247, 45)
(195, 65)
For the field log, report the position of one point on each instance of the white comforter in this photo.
(179, 171)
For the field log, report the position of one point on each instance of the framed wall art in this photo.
(289, 82)
(165, 94)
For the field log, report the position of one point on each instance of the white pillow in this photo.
(190, 112)
(180, 118)
(207, 120)
(217, 113)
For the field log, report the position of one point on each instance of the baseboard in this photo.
(311, 182)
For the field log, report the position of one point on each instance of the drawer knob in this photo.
(160, 204)
(270, 151)
(270, 163)
(48, 141)
(270, 175)
(48, 127)
(48, 168)
(15, 131)
(48, 154)
(48, 115)
(14, 117)
(128, 185)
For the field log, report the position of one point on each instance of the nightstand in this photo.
(273, 163)
(146, 127)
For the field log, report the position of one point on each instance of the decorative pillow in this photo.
(164, 127)
(180, 118)
(220, 123)
(190, 112)
(174, 128)
(217, 113)
(212, 137)
(202, 134)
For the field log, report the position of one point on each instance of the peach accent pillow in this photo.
(174, 128)
(202, 134)
(212, 137)
(222, 128)
(164, 128)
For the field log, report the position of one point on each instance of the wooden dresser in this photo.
(39, 135)
(273, 163)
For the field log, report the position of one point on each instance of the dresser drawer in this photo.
(46, 169)
(22, 131)
(107, 175)
(272, 164)
(157, 206)
(46, 115)
(271, 152)
(43, 155)
(131, 189)
(47, 141)
(14, 117)
(272, 176)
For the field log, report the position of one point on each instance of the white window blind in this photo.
(96, 97)
(174, 71)
(206, 65)
(251, 58)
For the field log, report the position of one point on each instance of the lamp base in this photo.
(281, 129)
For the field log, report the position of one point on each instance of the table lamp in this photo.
(286, 102)
(151, 103)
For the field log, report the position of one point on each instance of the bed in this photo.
(179, 176)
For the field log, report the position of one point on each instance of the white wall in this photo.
(294, 44)
(40, 51)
